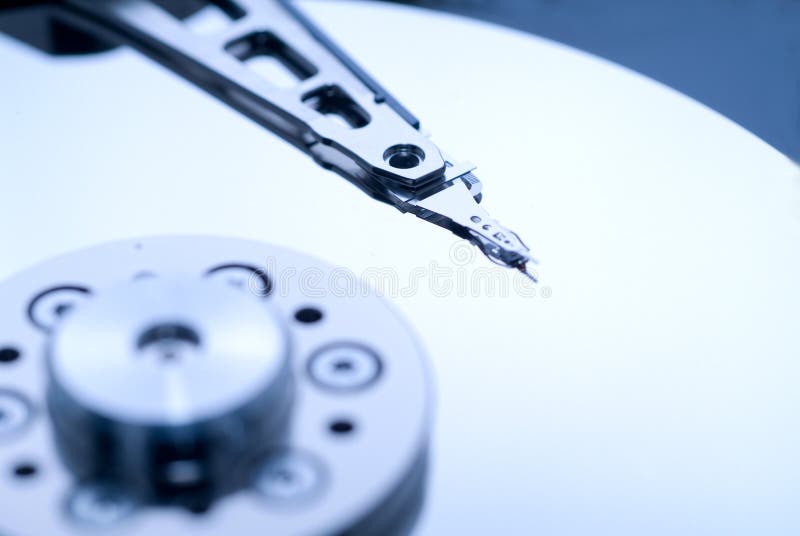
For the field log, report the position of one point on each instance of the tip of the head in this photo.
(523, 268)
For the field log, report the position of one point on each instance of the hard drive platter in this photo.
(645, 385)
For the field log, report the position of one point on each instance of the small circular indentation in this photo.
(99, 506)
(169, 340)
(342, 427)
(404, 156)
(475, 219)
(50, 306)
(344, 367)
(15, 413)
(289, 477)
(168, 332)
(308, 315)
(243, 276)
(25, 470)
(9, 354)
(487, 227)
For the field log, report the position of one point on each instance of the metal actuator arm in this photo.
(332, 109)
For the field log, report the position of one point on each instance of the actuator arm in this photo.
(330, 108)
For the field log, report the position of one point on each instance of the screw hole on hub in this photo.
(169, 342)
(342, 427)
(290, 478)
(15, 413)
(168, 334)
(404, 156)
(98, 507)
(25, 470)
(344, 367)
(308, 315)
(9, 354)
(60, 309)
(50, 306)
(244, 276)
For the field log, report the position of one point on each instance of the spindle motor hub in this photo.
(160, 385)
(198, 385)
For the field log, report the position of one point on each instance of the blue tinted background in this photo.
(740, 57)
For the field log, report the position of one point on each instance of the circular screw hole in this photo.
(60, 309)
(404, 156)
(168, 333)
(290, 477)
(342, 427)
(308, 315)
(9, 354)
(344, 366)
(25, 470)
(50, 306)
(15, 413)
(99, 506)
(168, 341)
(243, 276)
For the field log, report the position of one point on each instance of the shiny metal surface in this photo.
(321, 100)
(649, 385)
(169, 352)
(163, 385)
(183, 400)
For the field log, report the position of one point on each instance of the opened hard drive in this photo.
(491, 285)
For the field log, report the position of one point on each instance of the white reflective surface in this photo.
(232, 350)
(653, 392)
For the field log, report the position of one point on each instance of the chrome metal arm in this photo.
(331, 109)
